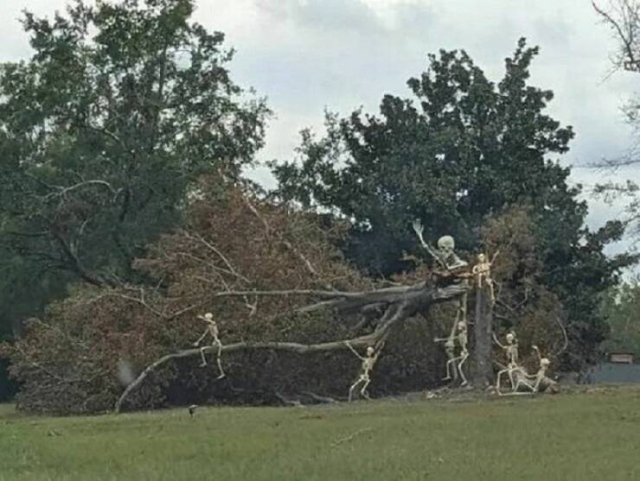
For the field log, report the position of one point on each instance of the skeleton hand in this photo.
(417, 227)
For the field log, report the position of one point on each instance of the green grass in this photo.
(591, 436)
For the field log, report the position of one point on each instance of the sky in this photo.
(308, 56)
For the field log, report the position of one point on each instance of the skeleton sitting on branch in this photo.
(482, 273)
(212, 330)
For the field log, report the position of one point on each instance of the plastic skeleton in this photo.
(212, 330)
(368, 362)
(447, 258)
(456, 362)
(445, 253)
(533, 382)
(482, 273)
(511, 352)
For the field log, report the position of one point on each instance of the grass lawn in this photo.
(589, 436)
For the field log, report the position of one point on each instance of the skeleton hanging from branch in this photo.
(368, 361)
(211, 329)
(395, 304)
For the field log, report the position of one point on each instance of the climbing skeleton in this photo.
(446, 257)
(212, 330)
(368, 362)
(511, 352)
(456, 362)
(482, 274)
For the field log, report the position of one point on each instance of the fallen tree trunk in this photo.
(399, 303)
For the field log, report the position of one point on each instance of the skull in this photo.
(446, 244)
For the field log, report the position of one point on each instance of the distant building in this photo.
(621, 357)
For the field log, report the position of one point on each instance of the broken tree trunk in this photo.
(482, 372)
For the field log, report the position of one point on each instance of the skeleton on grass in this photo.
(534, 383)
(212, 330)
(511, 352)
(368, 361)
(482, 274)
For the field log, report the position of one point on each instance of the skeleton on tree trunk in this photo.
(452, 270)
(482, 274)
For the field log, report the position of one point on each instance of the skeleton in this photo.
(445, 253)
(511, 352)
(482, 273)
(456, 362)
(454, 267)
(212, 330)
(533, 382)
(364, 378)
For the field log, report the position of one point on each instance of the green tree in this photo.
(620, 306)
(462, 149)
(102, 132)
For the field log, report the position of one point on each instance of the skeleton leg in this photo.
(449, 363)
(464, 378)
(204, 360)
(491, 292)
(500, 373)
(353, 386)
(363, 390)
(218, 360)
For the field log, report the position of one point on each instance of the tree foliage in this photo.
(102, 132)
(463, 148)
(620, 306)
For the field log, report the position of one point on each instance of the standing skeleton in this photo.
(368, 362)
(511, 352)
(212, 330)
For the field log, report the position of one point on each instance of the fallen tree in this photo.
(396, 303)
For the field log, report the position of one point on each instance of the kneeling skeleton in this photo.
(533, 382)
(212, 330)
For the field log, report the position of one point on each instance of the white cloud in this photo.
(308, 55)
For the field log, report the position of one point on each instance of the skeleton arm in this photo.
(354, 351)
(495, 339)
(535, 348)
(418, 229)
(201, 338)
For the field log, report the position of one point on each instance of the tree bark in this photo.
(482, 372)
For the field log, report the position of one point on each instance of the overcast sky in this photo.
(306, 56)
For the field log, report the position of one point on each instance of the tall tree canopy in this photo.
(462, 149)
(102, 131)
